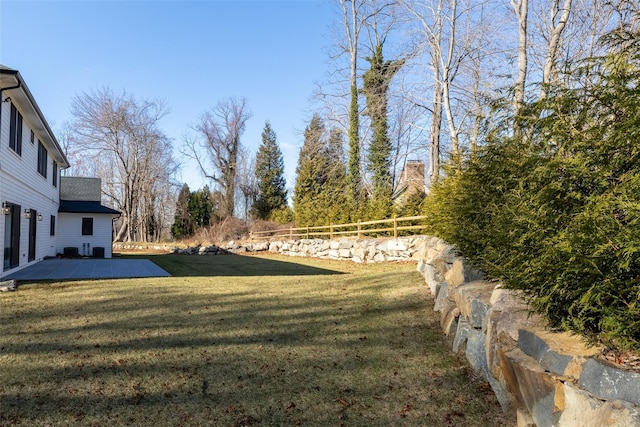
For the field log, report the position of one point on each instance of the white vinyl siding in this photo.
(21, 184)
(72, 236)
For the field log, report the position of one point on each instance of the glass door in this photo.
(12, 238)
(32, 234)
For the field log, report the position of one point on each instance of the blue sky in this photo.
(189, 53)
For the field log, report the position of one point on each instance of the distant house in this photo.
(85, 223)
(411, 180)
(34, 224)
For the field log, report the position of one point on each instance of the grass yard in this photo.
(235, 341)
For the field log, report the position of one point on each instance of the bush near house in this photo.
(556, 212)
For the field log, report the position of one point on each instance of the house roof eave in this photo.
(86, 207)
(13, 85)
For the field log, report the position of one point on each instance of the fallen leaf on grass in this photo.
(344, 402)
(406, 408)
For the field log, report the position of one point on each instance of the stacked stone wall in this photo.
(546, 378)
(356, 250)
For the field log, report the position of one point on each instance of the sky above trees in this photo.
(191, 54)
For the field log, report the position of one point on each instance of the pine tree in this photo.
(335, 190)
(311, 166)
(182, 226)
(354, 177)
(200, 208)
(272, 193)
(320, 191)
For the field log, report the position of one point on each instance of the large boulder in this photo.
(582, 409)
(609, 382)
(8, 286)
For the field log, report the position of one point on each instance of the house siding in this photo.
(21, 184)
(71, 223)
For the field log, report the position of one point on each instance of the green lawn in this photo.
(235, 341)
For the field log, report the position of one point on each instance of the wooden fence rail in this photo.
(358, 229)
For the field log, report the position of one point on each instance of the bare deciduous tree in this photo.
(558, 18)
(217, 147)
(521, 9)
(437, 23)
(128, 150)
(353, 18)
(247, 182)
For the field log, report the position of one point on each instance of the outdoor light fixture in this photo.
(27, 213)
(6, 209)
(39, 217)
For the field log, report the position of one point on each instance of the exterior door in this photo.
(32, 234)
(11, 257)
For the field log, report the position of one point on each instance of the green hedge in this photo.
(556, 212)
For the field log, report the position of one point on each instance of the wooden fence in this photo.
(359, 229)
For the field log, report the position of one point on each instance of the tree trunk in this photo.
(521, 8)
(554, 43)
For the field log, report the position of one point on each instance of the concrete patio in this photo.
(76, 269)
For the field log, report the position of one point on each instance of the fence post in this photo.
(251, 236)
(290, 233)
(395, 227)
(330, 231)
(307, 232)
(359, 229)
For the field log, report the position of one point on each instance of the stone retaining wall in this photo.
(356, 250)
(548, 379)
(360, 250)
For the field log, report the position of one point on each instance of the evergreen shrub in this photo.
(556, 212)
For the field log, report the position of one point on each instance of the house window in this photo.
(32, 138)
(15, 130)
(87, 226)
(52, 226)
(55, 174)
(42, 159)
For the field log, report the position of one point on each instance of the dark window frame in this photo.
(43, 159)
(54, 172)
(15, 130)
(52, 226)
(87, 226)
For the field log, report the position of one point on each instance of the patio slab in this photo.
(75, 269)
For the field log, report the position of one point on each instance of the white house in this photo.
(30, 162)
(86, 225)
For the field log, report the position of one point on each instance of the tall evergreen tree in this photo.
(319, 194)
(182, 226)
(354, 178)
(272, 193)
(309, 173)
(375, 89)
(201, 208)
(335, 190)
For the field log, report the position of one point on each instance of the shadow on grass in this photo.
(337, 354)
(232, 265)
